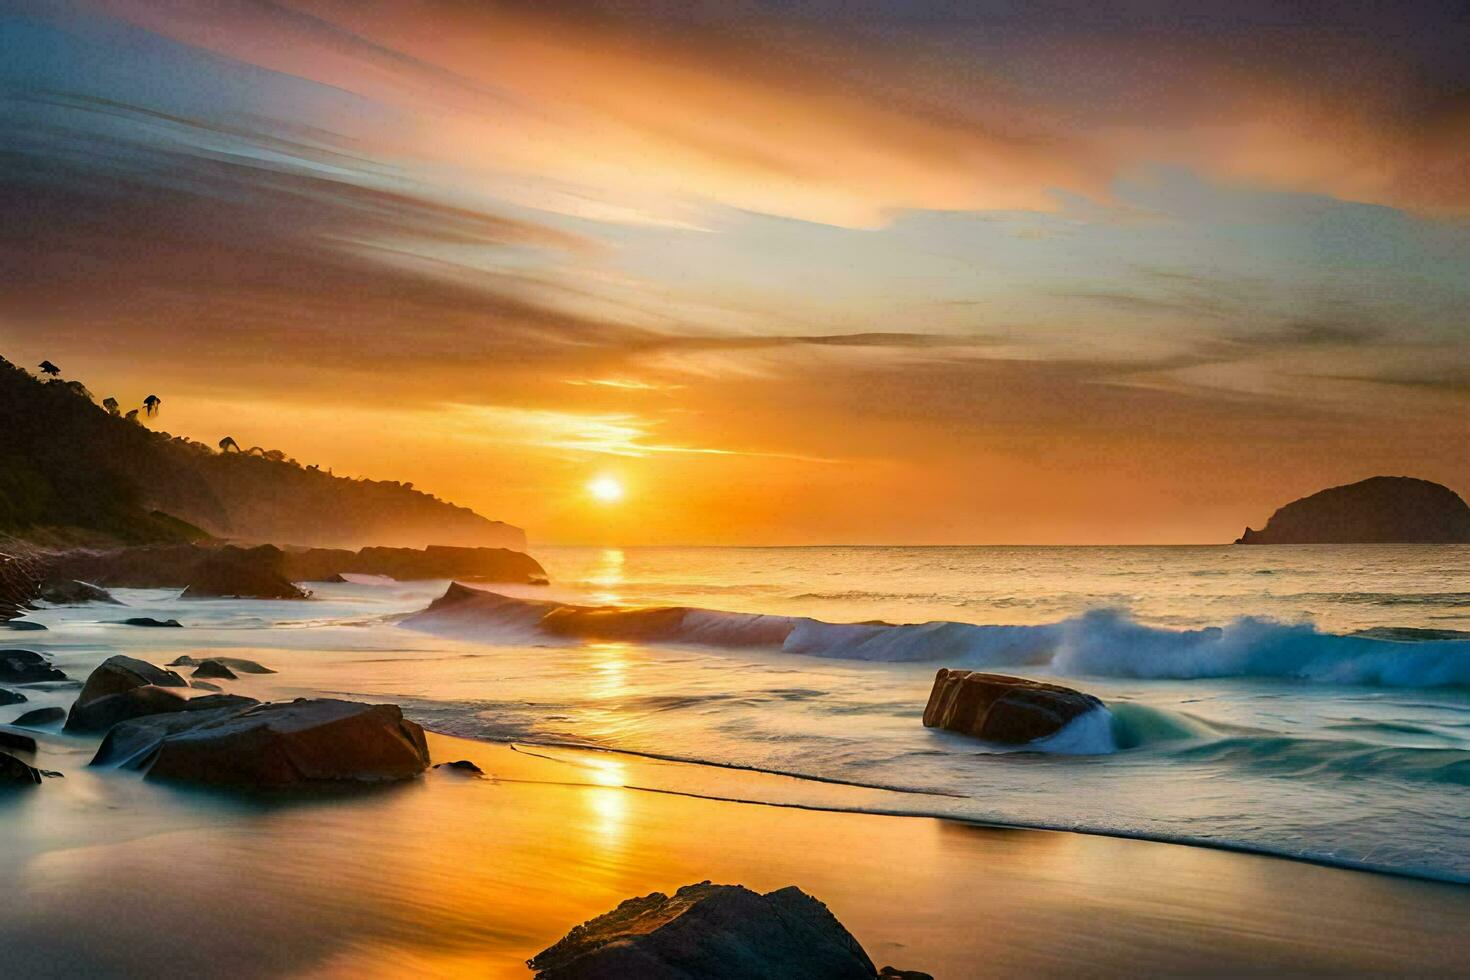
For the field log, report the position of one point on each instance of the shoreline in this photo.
(451, 873)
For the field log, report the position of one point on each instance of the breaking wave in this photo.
(1100, 643)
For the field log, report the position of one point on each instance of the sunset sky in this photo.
(789, 273)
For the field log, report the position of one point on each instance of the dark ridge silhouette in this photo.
(1379, 510)
(72, 472)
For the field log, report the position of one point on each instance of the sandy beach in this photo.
(461, 875)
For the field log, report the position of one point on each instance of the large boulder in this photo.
(1379, 510)
(70, 592)
(202, 570)
(306, 743)
(998, 708)
(118, 673)
(16, 741)
(100, 714)
(244, 574)
(16, 774)
(26, 667)
(214, 669)
(709, 932)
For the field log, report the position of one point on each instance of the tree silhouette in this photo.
(48, 368)
(111, 405)
(150, 405)
(228, 443)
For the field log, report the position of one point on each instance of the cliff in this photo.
(1380, 510)
(72, 472)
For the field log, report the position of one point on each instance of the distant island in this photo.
(1379, 510)
(74, 471)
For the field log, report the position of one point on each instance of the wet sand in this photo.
(105, 875)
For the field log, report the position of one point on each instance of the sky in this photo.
(795, 273)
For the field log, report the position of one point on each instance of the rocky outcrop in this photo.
(709, 932)
(408, 564)
(256, 573)
(26, 667)
(1002, 709)
(1380, 510)
(70, 592)
(20, 585)
(37, 717)
(301, 744)
(119, 673)
(198, 569)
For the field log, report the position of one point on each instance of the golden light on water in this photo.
(606, 489)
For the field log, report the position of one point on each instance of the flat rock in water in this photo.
(26, 667)
(37, 717)
(70, 592)
(205, 686)
(151, 623)
(998, 708)
(214, 669)
(236, 664)
(23, 625)
(710, 932)
(100, 714)
(16, 741)
(14, 773)
(119, 673)
(8, 696)
(306, 743)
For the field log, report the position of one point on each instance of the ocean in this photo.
(1311, 702)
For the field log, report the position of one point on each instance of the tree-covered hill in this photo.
(73, 471)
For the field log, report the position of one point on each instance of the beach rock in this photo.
(139, 702)
(24, 625)
(37, 717)
(998, 708)
(305, 743)
(462, 766)
(70, 592)
(408, 564)
(16, 741)
(240, 573)
(118, 673)
(26, 667)
(237, 664)
(16, 774)
(151, 623)
(8, 696)
(205, 686)
(1379, 510)
(214, 669)
(709, 932)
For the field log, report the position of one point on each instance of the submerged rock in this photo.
(234, 663)
(26, 667)
(462, 765)
(150, 622)
(709, 932)
(998, 708)
(14, 773)
(214, 669)
(24, 625)
(205, 686)
(37, 717)
(70, 592)
(1379, 510)
(276, 746)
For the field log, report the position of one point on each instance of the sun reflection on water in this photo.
(607, 575)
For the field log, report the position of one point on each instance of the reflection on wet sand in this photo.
(455, 875)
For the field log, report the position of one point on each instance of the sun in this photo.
(606, 489)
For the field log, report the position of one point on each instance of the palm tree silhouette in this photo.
(228, 443)
(150, 405)
(48, 368)
(111, 405)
